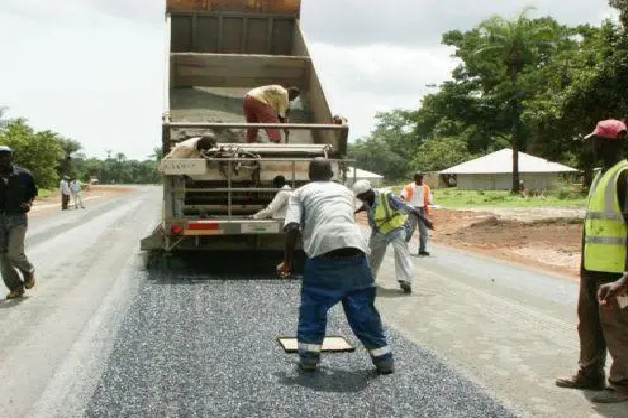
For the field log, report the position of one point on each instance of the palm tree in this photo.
(515, 44)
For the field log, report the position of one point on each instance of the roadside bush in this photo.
(565, 190)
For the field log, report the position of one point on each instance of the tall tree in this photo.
(622, 7)
(517, 44)
(37, 151)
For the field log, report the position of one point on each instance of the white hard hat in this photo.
(361, 187)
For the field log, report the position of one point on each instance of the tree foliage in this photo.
(440, 153)
(385, 151)
(39, 152)
(49, 156)
(531, 83)
(119, 170)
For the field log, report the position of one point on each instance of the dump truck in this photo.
(218, 50)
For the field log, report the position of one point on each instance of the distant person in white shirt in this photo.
(75, 190)
(336, 269)
(190, 148)
(65, 193)
(278, 207)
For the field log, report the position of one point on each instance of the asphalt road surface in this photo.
(100, 336)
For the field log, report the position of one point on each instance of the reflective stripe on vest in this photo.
(605, 228)
(387, 219)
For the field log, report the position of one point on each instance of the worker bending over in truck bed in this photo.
(190, 148)
(336, 269)
(277, 208)
(268, 104)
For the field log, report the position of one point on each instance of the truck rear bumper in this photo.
(227, 235)
(211, 227)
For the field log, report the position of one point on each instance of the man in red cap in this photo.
(604, 272)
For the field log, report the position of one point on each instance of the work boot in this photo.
(582, 382)
(16, 294)
(406, 287)
(385, 367)
(29, 279)
(424, 253)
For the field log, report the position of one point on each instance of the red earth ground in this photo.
(551, 246)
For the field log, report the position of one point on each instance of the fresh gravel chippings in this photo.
(207, 348)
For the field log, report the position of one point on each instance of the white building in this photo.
(494, 171)
(375, 179)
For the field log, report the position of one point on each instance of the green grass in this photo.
(455, 198)
(44, 193)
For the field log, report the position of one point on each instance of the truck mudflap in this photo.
(156, 241)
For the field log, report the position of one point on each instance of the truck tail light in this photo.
(176, 229)
(203, 226)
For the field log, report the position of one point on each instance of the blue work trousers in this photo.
(358, 304)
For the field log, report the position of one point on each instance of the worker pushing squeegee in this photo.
(336, 269)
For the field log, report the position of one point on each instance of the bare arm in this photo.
(292, 227)
(292, 235)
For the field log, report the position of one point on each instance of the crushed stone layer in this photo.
(205, 347)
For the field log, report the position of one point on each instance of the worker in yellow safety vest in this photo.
(387, 215)
(603, 304)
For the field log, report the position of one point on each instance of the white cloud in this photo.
(81, 12)
(422, 22)
(93, 69)
(102, 86)
(362, 81)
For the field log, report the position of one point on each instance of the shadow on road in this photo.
(12, 303)
(192, 267)
(329, 380)
(617, 410)
(390, 293)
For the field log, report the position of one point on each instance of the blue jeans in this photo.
(358, 304)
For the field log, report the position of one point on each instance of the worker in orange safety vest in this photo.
(418, 195)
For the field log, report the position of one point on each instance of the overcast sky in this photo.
(93, 69)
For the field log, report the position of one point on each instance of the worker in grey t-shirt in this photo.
(336, 269)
